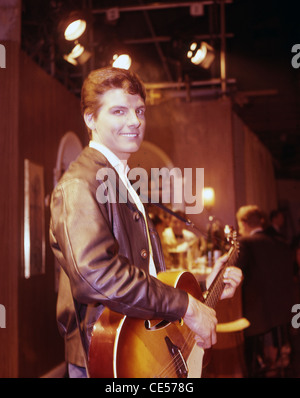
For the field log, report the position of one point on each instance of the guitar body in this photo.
(126, 347)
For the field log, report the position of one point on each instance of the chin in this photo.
(134, 147)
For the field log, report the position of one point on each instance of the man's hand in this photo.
(232, 277)
(200, 318)
(202, 321)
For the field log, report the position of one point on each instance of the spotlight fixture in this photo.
(201, 54)
(73, 26)
(73, 38)
(78, 55)
(122, 61)
(75, 29)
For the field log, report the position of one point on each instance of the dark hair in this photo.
(101, 80)
(275, 213)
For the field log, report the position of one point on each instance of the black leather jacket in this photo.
(103, 250)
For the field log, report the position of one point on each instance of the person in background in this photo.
(108, 249)
(180, 245)
(266, 290)
(277, 221)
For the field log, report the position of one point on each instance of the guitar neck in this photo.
(215, 290)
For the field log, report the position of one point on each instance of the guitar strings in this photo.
(176, 363)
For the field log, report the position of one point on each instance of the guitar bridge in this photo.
(179, 363)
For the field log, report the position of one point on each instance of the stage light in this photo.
(208, 196)
(72, 30)
(78, 55)
(73, 25)
(75, 29)
(122, 61)
(201, 54)
(70, 59)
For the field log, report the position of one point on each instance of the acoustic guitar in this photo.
(124, 347)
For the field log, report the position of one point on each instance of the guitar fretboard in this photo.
(216, 288)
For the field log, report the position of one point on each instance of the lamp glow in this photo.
(78, 55)
(208, 196)
(201, 54)
(226, 229)
(75, 29)
(122, 61)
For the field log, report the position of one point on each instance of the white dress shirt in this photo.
(123, 172)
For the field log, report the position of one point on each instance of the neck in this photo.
(122, 157)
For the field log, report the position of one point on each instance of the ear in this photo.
(89, 120)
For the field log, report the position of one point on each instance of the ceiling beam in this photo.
(157, 6)
(146, 40)
(201, 83)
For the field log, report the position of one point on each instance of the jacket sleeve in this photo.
(82, 240)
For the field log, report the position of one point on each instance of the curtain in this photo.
(260, 184)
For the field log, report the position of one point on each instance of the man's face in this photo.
(120, 124)
(279, 220)
(243, 230)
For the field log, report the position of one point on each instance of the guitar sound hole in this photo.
(156, 326)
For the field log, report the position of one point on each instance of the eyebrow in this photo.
(143, 106)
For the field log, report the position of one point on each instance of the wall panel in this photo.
(198, 134)
(9, 215)
(47, 112)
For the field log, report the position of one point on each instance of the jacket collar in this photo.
(110, 156)
(99, 159)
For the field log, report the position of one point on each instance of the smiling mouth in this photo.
(130, 135)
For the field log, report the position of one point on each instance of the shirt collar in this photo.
(110, 156)
(256, 230)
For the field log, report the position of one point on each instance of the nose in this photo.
(133, 119)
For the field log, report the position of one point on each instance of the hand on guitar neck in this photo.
(232, 277)
(199, 317)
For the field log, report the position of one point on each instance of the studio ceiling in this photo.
(263, 84)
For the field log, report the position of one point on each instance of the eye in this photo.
(118, 112)
(140, 112)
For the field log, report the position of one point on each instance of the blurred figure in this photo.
(266, 291)
(179, 244)
(277, 221)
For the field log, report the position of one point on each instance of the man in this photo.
(277, 221)
(267, 285)
(108, 249)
